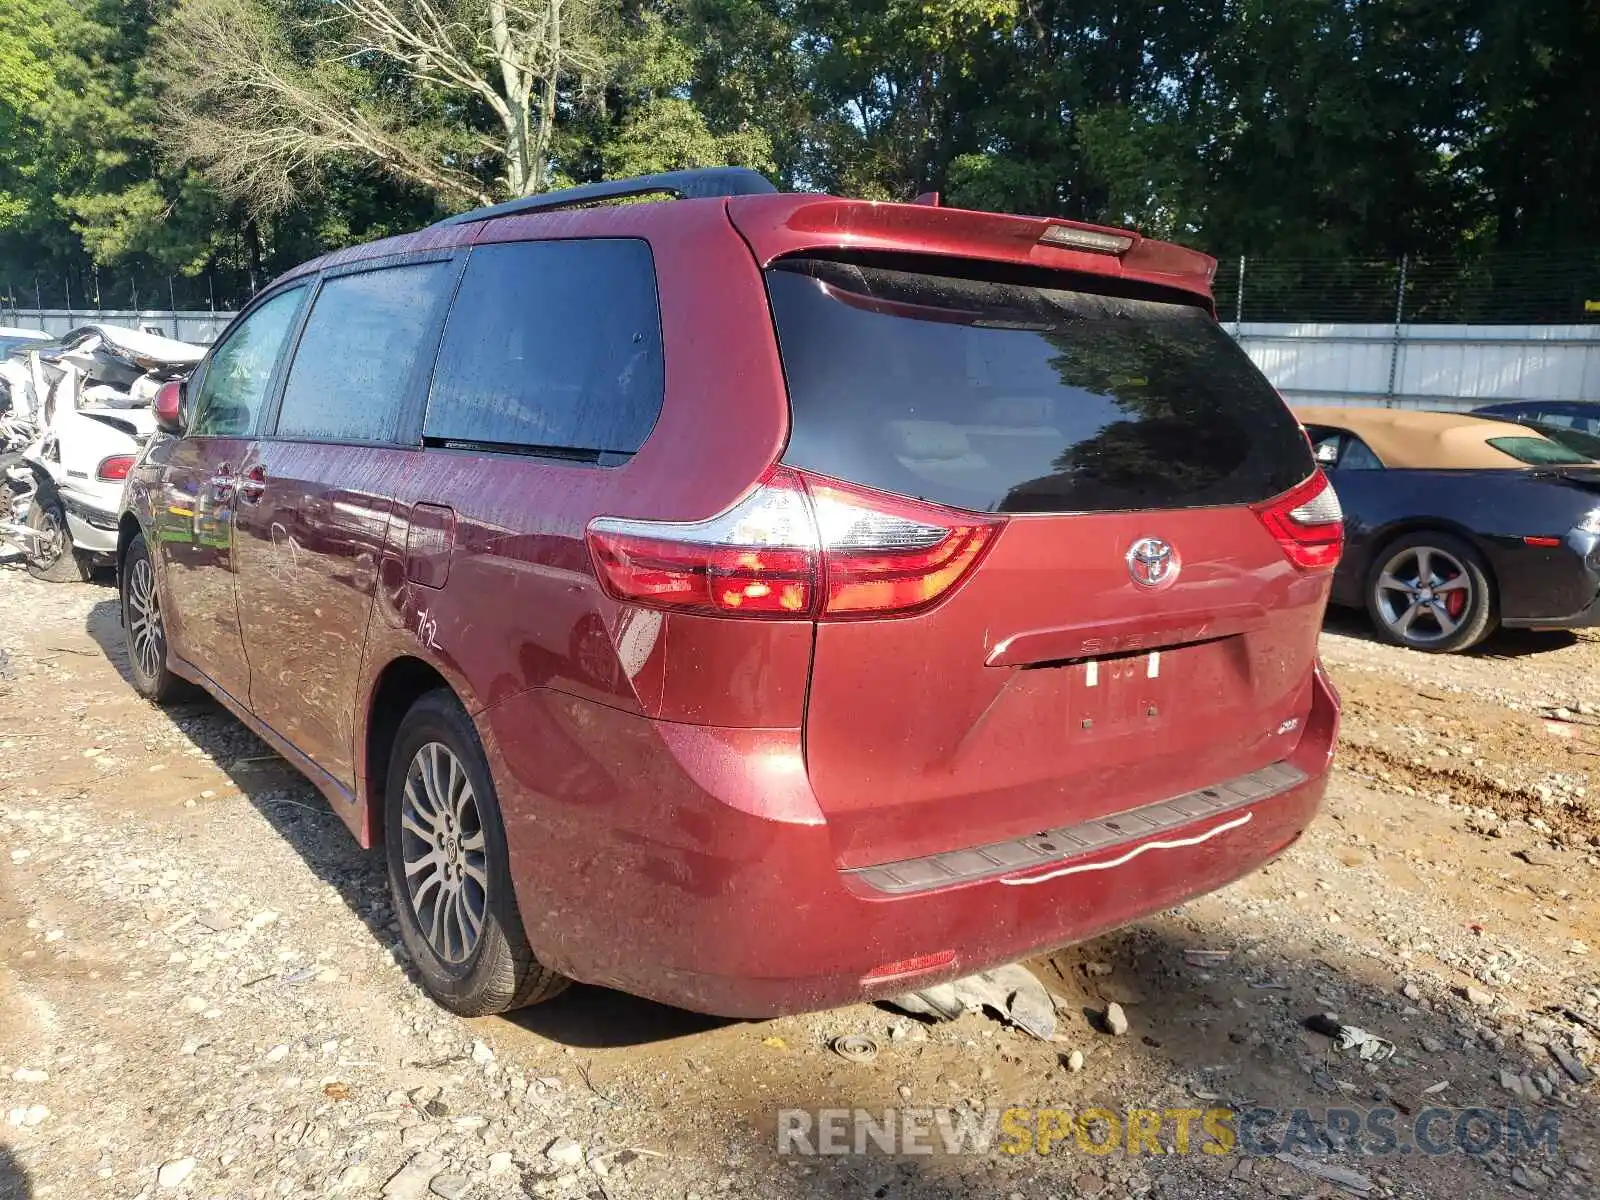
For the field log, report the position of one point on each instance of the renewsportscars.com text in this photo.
(1134, 1131)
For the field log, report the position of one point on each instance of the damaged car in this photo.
(755, 602)
(76, 413)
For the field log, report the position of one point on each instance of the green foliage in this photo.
(668, 133)
(1300, 129)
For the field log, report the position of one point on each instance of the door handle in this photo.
(254, 484)
(223, 479)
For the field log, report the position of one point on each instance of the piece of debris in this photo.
(1075, 1061)
(774, 1043)
(1341, 1176)
(1207, 958)
(856, 1048)
(1010, 992)
(1575, 1070)
(564, 1152)
(173, 1174)
(1436, 1088)
(1477, 996)
(1577, 1018)
(1116, 1020)
(410, 1182)
(1371, 1047)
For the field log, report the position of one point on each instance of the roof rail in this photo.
(685, 185)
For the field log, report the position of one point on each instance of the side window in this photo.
(234, 386)
(1358, 456)
(361, 343)
(1586, 419)
(553, 346)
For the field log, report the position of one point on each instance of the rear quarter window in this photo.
(551, 346)
(1014, 398)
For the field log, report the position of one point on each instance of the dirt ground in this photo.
(202, 992)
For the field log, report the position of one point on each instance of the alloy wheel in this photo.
(144, 619)
(1424, 594)
(446, 862)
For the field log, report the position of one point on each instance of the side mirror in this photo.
(169, 407)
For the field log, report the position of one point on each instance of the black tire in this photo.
(55, 560)
(496, 972)
(143, 629)
(1440, 623)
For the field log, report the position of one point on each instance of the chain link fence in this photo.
(1489, 289)
(1558, 288)
(94, 290)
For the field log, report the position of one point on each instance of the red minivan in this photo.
(754, 601)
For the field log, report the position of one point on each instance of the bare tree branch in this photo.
(263, 123)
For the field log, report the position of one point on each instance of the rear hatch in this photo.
(1119, 436)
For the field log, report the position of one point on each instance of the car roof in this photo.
(1408, 437)
(775, 224)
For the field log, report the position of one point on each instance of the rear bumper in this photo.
(689, 865)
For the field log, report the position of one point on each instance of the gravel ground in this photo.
(202, 992)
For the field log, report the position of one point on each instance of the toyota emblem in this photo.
(1153, 563)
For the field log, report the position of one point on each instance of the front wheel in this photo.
(450, 871)
(1432, 592)
(51, 554)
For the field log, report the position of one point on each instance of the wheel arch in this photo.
(1393, 532)
(402, 681)
(128, 528)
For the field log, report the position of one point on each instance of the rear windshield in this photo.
(1003, 397)
(1538, 452)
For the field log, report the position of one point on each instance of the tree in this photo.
(264, 101)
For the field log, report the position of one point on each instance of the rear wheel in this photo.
(143, 627)
(449, 870)
(1431, 591)
(51, 554)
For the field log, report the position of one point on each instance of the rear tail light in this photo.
(797, 546)
(1308, 523)
(114, 468)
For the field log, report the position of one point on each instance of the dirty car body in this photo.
(845, 597)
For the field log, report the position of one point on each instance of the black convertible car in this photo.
(1456, 525)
